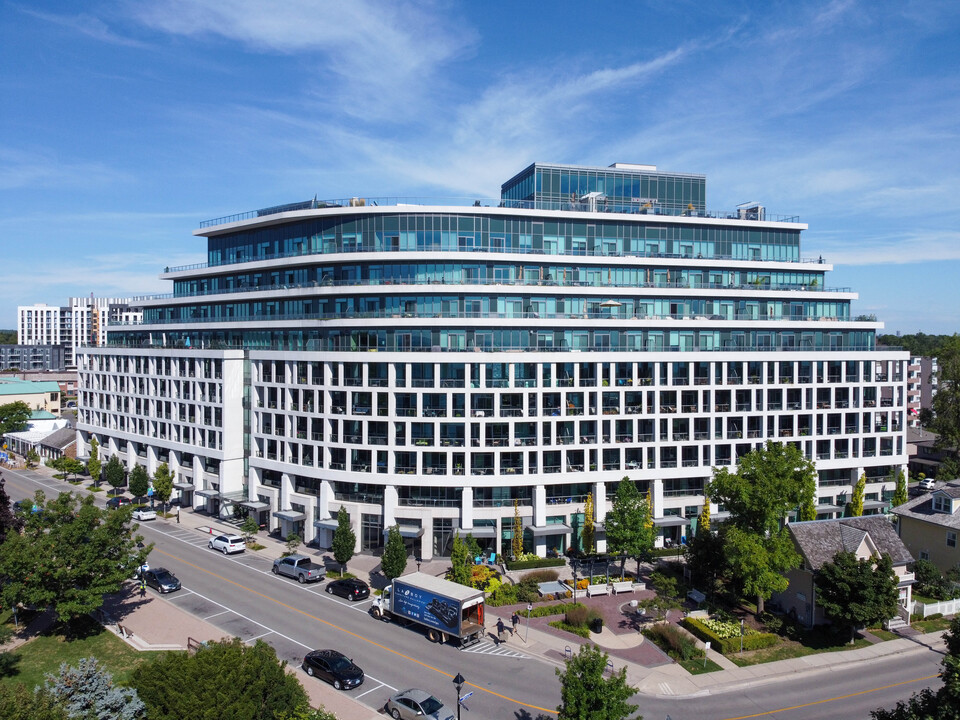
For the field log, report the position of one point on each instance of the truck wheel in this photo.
(276, 570)
(433, 636)
(301, 579)
(376, 612)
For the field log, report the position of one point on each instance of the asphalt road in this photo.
(240, 595)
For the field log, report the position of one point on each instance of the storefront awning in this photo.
(670, 521)
(183, 486)
(875, 504)
(254, 505)
(478, 531)
(829, 508)
(329, 524)
(554, 529)
(407, 531)
(289, 515)
(208, 493)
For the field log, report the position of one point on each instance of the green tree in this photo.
(516, 542)
(768, 484)
(69, 556)
(707, 560)
(587, 538)
(293, 542)
(856, 593)
(72, 467)
(855, 507)
(703, 521)
(808, 500)
(163, 484)
(946, 403)
(10, 522)
(88, 690)
(32, 458)
(900, 494)
(249, 528)
(94, 466)
(306, 713)
(344, 540)
(226, 679)
(944, 704)
(115, 473)
(19, 703)
(630, 532)
(460, 571)
(14, 417)
(394, 560)
(757, 562)
(587, 694)
(139, 481)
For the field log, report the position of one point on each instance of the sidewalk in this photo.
(157, 623)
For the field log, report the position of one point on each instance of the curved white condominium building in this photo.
(433, 365)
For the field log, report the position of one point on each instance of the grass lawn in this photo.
(883, 634)
(696, 667)
(44, 654)
(788, 649)
(932, 625)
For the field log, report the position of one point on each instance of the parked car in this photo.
(927, 484)
(118, 501)
(161, 579)
(349, 588)
(300, 567)
(227, 544)
(144, 513)
(415, 704)
(334, 667)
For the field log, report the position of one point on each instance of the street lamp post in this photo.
(458, 681)
(741, 636)
(527, 634)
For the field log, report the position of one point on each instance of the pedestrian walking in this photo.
(143, 587)
(501, 631)
(514, 620)
(178, 515)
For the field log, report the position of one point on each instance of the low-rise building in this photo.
(819, 541)
(930, 524)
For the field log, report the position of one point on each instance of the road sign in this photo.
(466, 696)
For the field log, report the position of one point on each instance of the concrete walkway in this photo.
(156, 623)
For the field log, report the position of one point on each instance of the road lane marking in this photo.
(835, 699)
(257, 637)
(344, 630)
(222, 612)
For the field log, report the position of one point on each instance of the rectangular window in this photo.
(951, 539)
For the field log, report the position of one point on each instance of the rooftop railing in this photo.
(437, 247)
(597, 205)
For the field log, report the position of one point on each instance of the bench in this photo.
(597, 590)
(622, 586)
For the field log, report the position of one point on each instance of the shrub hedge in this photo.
(673, 642)
(540, 576)
(751, 641)
(538, 563)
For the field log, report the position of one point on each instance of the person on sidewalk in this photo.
(143, 587)
(501, 631)
(178, 515)
(514, 620)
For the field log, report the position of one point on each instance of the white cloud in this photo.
(375, 59)
(45, 169)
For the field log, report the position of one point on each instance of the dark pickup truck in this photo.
(300, 567)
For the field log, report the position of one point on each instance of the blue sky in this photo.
(125, 124)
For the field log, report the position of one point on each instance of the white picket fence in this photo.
(945, 607)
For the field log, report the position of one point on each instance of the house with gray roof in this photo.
(819, 541)
(930, 524)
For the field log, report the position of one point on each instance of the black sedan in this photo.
(334, 667)
(161, 579)
(118, 501)
(349, 588)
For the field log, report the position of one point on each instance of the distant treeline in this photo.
(8, 337)
(918, 343)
